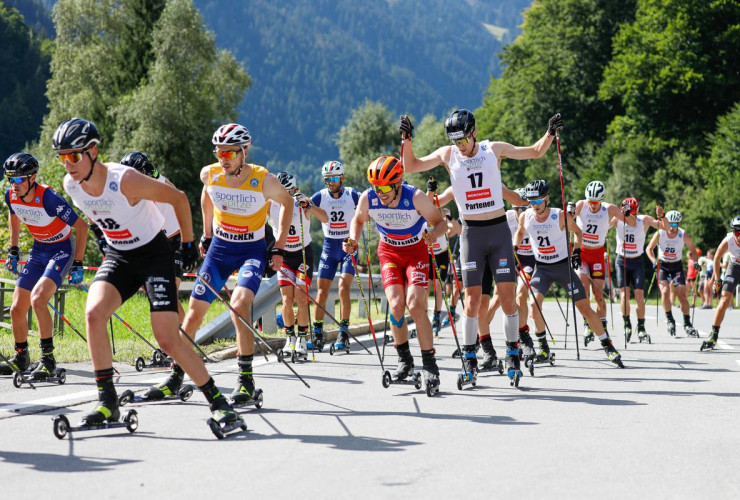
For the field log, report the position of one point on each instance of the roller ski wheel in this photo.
(295, 357)
(627, 334)
(129, 397)
(431, 383)
(587, 339)
(62, 427)
(672, 329)
(158, 359)
(466, 378)
(257, 400)
(387, 339)
(59, 377)
(691, 331)
(611, 353)
(512, 365)
(515, 377)
(220, 430)
(708, 345)
(412, 333)
(413, 379)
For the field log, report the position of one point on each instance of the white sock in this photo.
(511, 327)
(470, 330)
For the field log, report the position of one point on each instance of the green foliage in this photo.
(36, 16)
(24, 69)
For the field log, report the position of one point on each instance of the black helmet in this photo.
(537, 189)
(75, 134)
(20, 165)
(141, 163)
(459, 124)
(735, 224)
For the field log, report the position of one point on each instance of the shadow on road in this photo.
(49, 462)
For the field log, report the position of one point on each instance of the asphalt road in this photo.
(666, 426)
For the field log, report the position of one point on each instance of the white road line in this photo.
(737, 361)
(48, 401)
(723, 345)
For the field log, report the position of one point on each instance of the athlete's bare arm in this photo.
(574, 229)
(536, 150)
(721, 249)
(319, 213)
(273, 190)
(519, 235)
(359, 219)
(81, 229)
(15, 229)
(693, 254)
(650, 250)
(413, 164)
(206, 205)
(615, 213)
(444, 198)
(512, 197)
(431, 214)
(453, 228)
(136, 187)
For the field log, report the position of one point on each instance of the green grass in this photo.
(70, 348)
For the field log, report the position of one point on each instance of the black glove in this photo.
(575, 259)
(432, 185)
(571, 208)
(626, 209)
(406, 127)
(205, 244)
(273, 252)
(697, 267)
(555, 124)
(189, 256)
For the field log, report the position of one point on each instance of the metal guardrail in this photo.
(267, 299)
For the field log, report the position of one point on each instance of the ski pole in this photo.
(305, 281)
(249, 327)
(367, 310)
(56, 311)
(385, 327)
(693, 301)
(370, 284)
(658, 295)
(17, 371)
(451, 254)
(611, 285)
(567, 237)
(327, 313)
(112, 339)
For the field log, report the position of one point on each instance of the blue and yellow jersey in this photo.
(239, 213)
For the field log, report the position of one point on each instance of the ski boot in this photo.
(611, 352)
(171, 388)
(544, 356)
(710, 343)
(470, 368)
(527, 352)
(672, 328)
(436, 325)
(627, 332)
(690, 331)
(404, 373)
(512, 363)
(223, 418)
(589, 336)
(342, 342)
(245, 394)
(18, 363)
(105, 416)
(300, 353)
(490, 361)
(642, 334)
(430, 372)
(318, 341)
(287, 351)
(456, 352)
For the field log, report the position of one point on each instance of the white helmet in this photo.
(674, 216)
(595, 191)
(232, 134)
(332, 168)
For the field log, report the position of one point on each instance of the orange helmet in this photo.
(384, 171)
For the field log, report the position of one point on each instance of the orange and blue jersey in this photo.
(239, 213)
(400, 226)
(48, 216)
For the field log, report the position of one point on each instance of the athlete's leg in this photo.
(287, 294)
(597, 286)
(416, 301)
(397, 313)
(522, 294)
(640, 300)
(724, 303)
(345, 304)
(164, 327)
(102, 301)
(323, 286)
(197, 310)
(241, 301)
(180, 310)
(19, 313)
(40, 295)
(665, 295)
(484, 323)
(539, 322)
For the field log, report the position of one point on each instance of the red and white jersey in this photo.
(125, 226)
(631, 239)
(47, 215)
(548, 240)
(732, 248)
(594, 226)
(400, 226)
(171, 225)
(293, 242)
(476, 181)
(670, 249)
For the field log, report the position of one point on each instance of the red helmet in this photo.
(384, 171)
(634, 205)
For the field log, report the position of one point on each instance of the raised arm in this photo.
(651, 247)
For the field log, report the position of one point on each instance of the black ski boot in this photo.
(436, 324)
(642, 334)
(611, 352)
(318, 337)
(711, 342)
(490, 360)
(19, 362)
(430, 372)
(170, 387)
(672, 328)
(46, 368)
(245, 391)
(107, 409)
(405, 367)
(544, 356)
(627, 331)
(690, 331)
(589, 335)
(527, 352)
(470, 368)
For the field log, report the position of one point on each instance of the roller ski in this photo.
(318, 339)
(436, 326)
(105, 416)
(404, 374)
(589, 336)
(490, 362)
(512, 363)
(690, 331)
(300, 353)
(710, 343)
(611, 352)
(224, 419)
(529, 357)
(627, 333)
(288, 349)
(469, 375)
(544, 356)
(430, 372)
(245, 394)
(158, 359)
(672, 328)
(44, 371)
(342, 342)
(643, 335)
